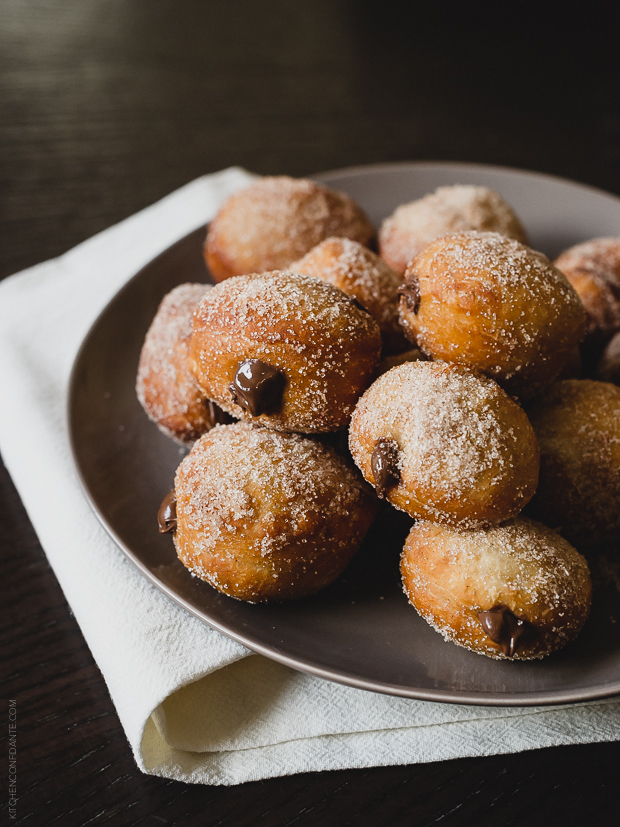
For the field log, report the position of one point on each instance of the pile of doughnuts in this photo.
(452, 358)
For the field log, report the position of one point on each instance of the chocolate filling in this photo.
(410, 293)
(217, 415)
(167, 514)
(384, 465)
(505, 628)
(257, 387)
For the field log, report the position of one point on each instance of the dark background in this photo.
(107, 105)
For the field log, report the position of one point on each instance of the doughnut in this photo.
(593, 268)
(445, 443)
(577, 423)
(447, 210)
(489, 302)
(262, 515)
(277, 220)
(516, 591)
(284, 350)
(360, 273)
(608, 369)
(165, 386)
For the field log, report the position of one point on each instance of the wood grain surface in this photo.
(107, 105)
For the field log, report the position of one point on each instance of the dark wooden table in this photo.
(106, 106)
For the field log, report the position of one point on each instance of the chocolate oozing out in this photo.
(410, 292)
(257, 387)
(217, 415)
(167, 514)
(384, 465)
(505, 628)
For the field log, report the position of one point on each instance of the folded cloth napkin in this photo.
(195, 705)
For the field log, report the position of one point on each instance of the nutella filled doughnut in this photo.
(262, 515)
(577, 423)
(287, 351)
(593, 269)
(276, 221)
(516, 591)
(445, 443)
(489, 302)
(165, 385)
(447, 210)
(360, 273)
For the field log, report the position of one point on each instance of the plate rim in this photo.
(506, 700)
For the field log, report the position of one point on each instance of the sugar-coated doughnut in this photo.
(277, 220)
(489, 302)
(287, 351)
(516, 591)
(447, 210)
(165, 385)
(593, 269)
(360, 273)
(445, 443)
(577, 423)
(262, 515)
(608, 369)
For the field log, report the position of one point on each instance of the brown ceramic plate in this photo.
(361, 631)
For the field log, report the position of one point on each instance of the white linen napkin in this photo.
(195, 705)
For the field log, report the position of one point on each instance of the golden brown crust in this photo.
(447, 210)
(360, 273)
(593, 269)
(491, 303)
(263, 515)
(577, 423)
(165, 385)
(449, 576)
(467, 454)
(277, 220)
(326, 347)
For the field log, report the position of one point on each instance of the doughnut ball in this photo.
(284, 350)
(262, 515)
(447, 210)
(593, 269)
(577, 423)
(165, 386)
(491, 303)
(276, 221)
(445, 443)
(608, 369)
(360, 273)
(517, 591)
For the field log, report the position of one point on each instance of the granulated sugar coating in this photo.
(450, 575)
(276, 221)
(593, 268)
(265, 515)
(447, 210)
(326, 346)
(491, 303)
(165, 386)
(359, 272)
(467, 452)
(577, 423)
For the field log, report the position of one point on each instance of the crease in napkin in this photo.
(196, 706)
